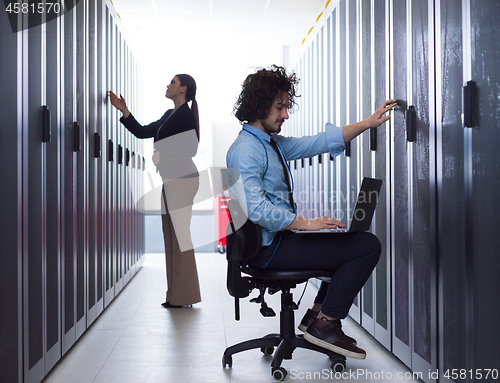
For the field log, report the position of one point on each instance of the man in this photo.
(261, 181)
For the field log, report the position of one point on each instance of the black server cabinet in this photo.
(438, 156)
(120, 166)
(41, 182)
(365, 108)
(11, 368)
(353, 181)
(468, 172)
(126, 216)
(349, 185)
(316, 184)
(414, 204)
(33, 194)
(134, 178)
(92, 163)
(70, 146)
(454, 298)
(130, 180)
(342, 85)
(301, 182)
(82, 110)
(95, 95)
(34, 182)
(375, 159)
(321, 190)
(296, 122)
(57, 223)
(330, 83)
(111, 161)
(75, 157)
(379, 143)
(52, 283)
(483, 184)
(102, 162)
(125, 184)
(305, 126)
(399, 181)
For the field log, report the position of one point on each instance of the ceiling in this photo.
(285, 22)
(217, 41)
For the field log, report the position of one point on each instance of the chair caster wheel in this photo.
(338, 366)
(267, 350)
(279, 373)
(227, 361)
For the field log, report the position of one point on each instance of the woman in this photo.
(176, 136)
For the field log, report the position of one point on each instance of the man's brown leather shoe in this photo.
(308, 318)
(328, 334)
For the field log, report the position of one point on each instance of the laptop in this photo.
(364, 210)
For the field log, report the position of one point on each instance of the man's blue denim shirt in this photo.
(256, 176)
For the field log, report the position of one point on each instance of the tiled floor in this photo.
(135, 340)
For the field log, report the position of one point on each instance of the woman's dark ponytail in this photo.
(194, 109)
(187, 81)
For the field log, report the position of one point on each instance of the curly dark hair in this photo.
(261, 89)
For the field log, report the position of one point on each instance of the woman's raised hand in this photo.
(119, 103)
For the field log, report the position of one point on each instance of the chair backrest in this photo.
(244, 240)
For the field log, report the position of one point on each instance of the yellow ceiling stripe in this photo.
(317, 19)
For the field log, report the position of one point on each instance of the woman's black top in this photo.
(176, 138)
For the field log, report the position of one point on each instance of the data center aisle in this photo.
(136, 340)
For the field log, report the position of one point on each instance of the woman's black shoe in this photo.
(167, 305)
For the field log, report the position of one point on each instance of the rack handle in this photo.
(45, 124)
(110, 151)
(97, 145)
(120, 154)
(373, 139)
(76, 137)
(410, 124)
(470, 104)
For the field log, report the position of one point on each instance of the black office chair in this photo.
(244, 240)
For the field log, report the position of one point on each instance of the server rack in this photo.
(352, 153)
(342, 77)
(332, 107)
(451, 181)
(11, 228)
(483, 175)
(53, 72)
(111, 158)
(430, 299)
(34, 192)
(315, 89)
(55, 179)
(379, 143)
(413, 164)
(82, 119)
(93, 163)
(467, 55)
